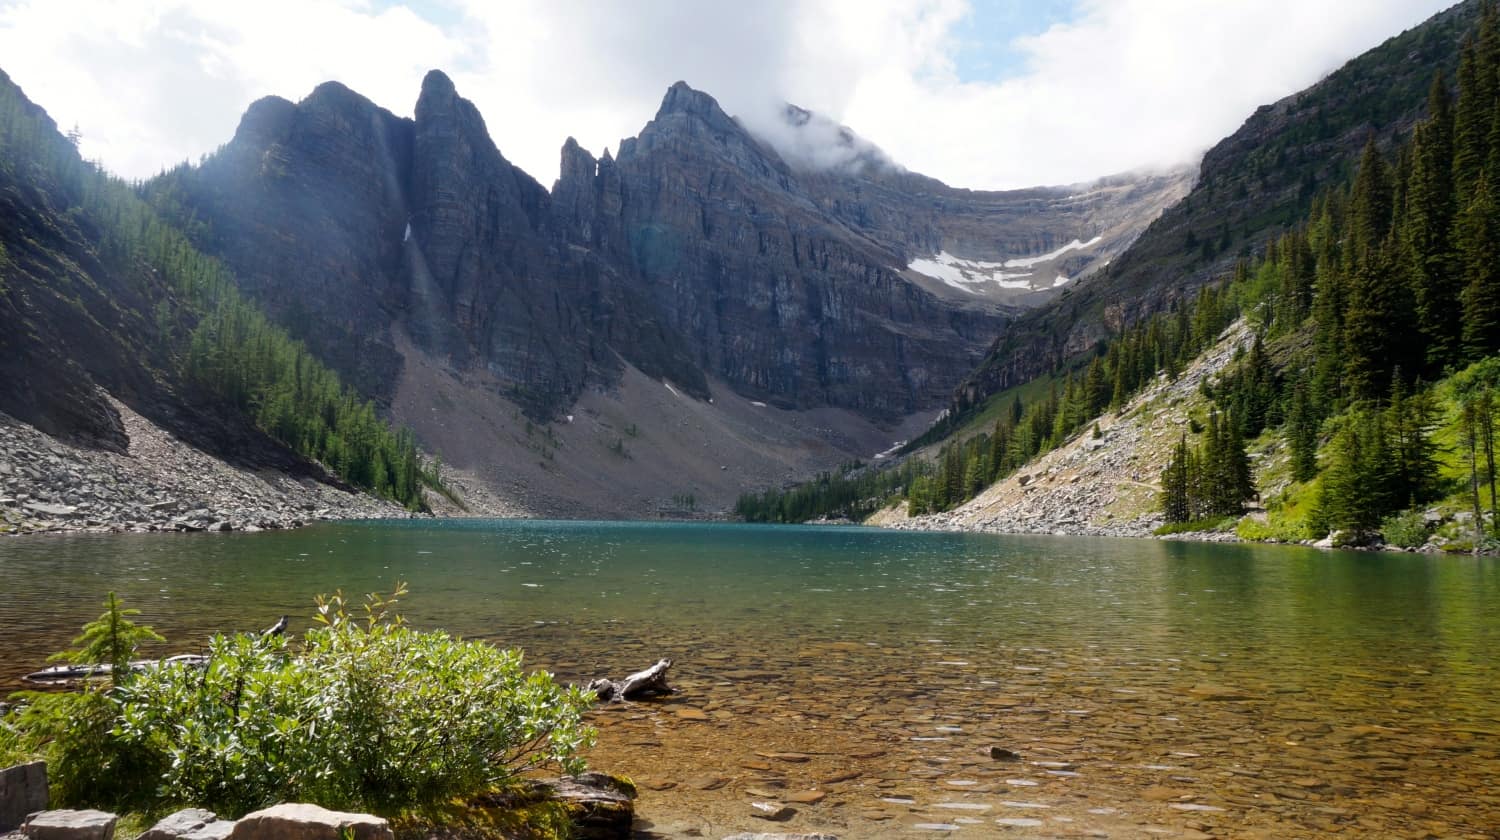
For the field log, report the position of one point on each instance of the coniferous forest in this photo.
(219, 343)
(1377, 324)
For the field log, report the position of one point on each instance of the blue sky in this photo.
(985, 38)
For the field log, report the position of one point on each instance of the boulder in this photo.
(70, 825)
(182, 824)
(23, 791)
(298, 821)
(600, 806)
(217, 830)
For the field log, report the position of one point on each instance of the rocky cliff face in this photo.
(774, 296)
(696, 253)
(1252, 186)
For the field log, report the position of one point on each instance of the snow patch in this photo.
(670, 388)
(407, 236)
(967, 275)
(1028, 262)
(757, 404)
(971, 275)
(889, 452)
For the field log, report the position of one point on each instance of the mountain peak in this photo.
(684, 99)
(266, 120)
(436, 82)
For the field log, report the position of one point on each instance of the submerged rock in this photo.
(773, 811)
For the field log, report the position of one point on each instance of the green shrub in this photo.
(1254, 530)
(1407, 529)
(361, 715)
(1212, 523)
(111, 639)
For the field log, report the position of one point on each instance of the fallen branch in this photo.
(651, 681)
(58, 674)
(68, 673)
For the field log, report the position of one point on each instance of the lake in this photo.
(864, 675)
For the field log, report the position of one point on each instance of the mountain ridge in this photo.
(619, 261)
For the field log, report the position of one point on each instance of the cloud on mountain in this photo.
(1122, 84)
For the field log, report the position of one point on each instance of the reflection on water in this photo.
(863, 676)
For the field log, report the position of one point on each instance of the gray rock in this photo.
(70, 825)
(599, 806)
(23, 791)
(181, 824)
(47, 509)
(297, 821)
(218, 830)
(773, 811)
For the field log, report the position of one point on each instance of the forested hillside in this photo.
(1252, 186)
(99, 295)
(1387, 285)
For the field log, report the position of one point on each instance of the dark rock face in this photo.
(308, 204)
(774, 296)
(696, 253)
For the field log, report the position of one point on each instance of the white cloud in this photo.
(1127, 83)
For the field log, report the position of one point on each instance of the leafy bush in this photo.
(1254, 530)
(1280, 526)
(363, 714)
(1407, 529)
(1212, 523)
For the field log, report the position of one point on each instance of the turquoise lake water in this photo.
(1181, 687)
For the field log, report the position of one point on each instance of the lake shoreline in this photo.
(159, 484)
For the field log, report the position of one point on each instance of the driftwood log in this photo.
(63, 674)
(68, 673)
(651, 681)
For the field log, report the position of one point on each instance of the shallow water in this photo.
(1149, 688)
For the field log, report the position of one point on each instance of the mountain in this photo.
(81, 320)
(126, 355)
(769, 292)
(696, 253)
(1251, 187)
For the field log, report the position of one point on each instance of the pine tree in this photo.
(1370, 205)
(1175, 503)
(1341, 500)
(1237, 476)
(1302, 433)
(1471, 123)
(1479, 251)
(1409, 422)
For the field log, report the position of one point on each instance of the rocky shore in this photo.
(1103, 482)
(158, 484)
